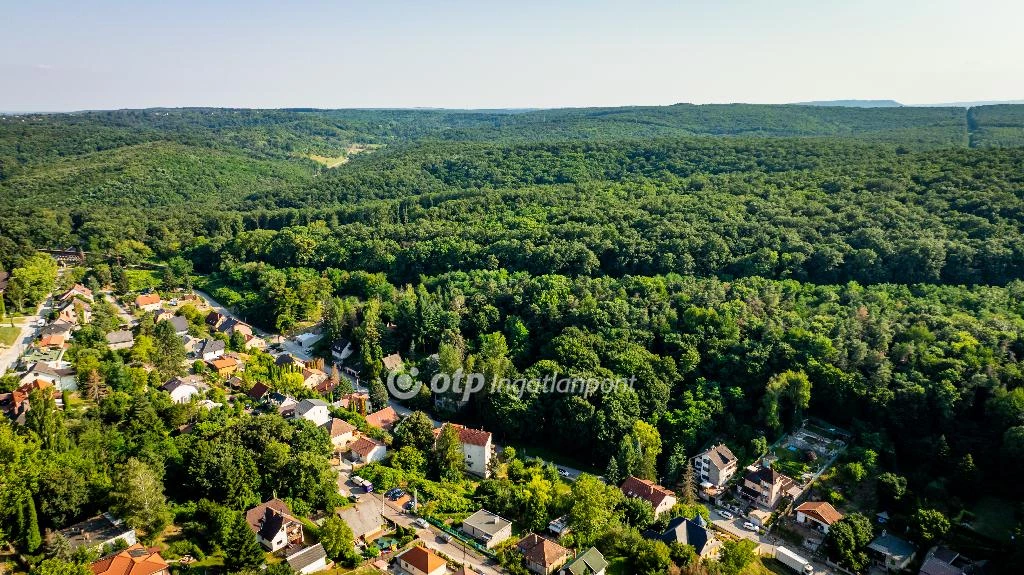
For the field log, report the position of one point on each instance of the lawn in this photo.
(993, 518)
(364, 570)
(766, 566)
(8, 335)
(617, 566)
(139, 280)
(554, 457)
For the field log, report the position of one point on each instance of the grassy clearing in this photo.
(139, 280)
(335, 161)
(994, 518)
(9, 335)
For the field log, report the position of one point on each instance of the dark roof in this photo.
(95, 530)
(56, 328)
(258, 391)
(272, 524)
(254, 515)
(180, 323)
(340, 344)
(687, 532)
(721, 456)
(121, 336)
(212, 346)
(306, 557)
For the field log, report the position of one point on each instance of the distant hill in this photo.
(854, 103)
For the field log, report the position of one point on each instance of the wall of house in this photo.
(477, 457)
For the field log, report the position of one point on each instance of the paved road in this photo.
(734, 526)
(9, 356)
(216, 306)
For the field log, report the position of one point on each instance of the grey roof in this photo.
(56, 328)
(212, 346)
(687, 532)
(891, 545)
(177, 382)
(487, 522)
(45, 369)
(362, 518)
(720, 456)
(120, 336)
(306, 557)
(96, 530)
(587, 563)
(936, 566)
(180, 323)
(308, 404)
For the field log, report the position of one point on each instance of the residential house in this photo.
(149, 302)
(77, 290)
(180, 324)
(315, 410)
(135, 560)
(121, 339)
(16, 404)
(58, 327)
(258, 391)
(383, 419)
(224, 366)
(392, 363)
(312, 378)
(716, 466)
(162, 315)
(231, 325)
(342, 432)
(287, 359)
(285, 404)
(488, 528)
(182, 389)
(366, 450)
(63, 378)
(304, 560)
(214, 319)
(945, 561)
(890, 552)
(364, 519)
(211, 349)
(477, 448)
(419, 561)
(590, 562)
(255, 342)
(693, 532)
(817, 514)
(52, 342)
(70, 311)
(560, 526)
(542, 556)
(660, 498)
(98, 532)
(765, 486)
(274, 524)
(341, 349)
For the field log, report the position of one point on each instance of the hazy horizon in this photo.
(67, 56)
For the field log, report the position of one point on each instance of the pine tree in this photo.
(378, 394)
(95, 390)
(689, 487)
(242, 549)
(612, 474)
(31, 536)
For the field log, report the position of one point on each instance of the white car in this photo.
(749, 526)
(563, 472)
(726, 515)
(421, 523)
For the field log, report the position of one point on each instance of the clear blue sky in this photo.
(478, 54)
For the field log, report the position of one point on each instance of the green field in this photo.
(8, 335)
(140, 280)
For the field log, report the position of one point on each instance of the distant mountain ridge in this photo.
(854, 103)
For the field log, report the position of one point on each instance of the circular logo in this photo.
(404, 385)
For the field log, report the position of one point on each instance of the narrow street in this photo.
(29, 329)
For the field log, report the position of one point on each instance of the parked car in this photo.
(443, 538)
(726, 514)
(398, 493)
(563, 472)
(408, 506)
(749, 526)
(353, 498)
(421, 523)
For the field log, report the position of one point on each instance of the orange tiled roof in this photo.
(644, 489)
(383, 419)
(147, 299)
(820, 510)
(422, 559)
(135, 560)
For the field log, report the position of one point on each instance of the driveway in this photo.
(766, 544)
(217, 307)
(29, 329)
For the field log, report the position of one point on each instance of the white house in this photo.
(716, 466)
(661, 499)
(274, 525)
(308, 559)
(489, 528)
(819, 515)
(341, 349)
(182, 389)
(366, 450)
(342, 432)
(211, 349)
(315, 410)
(63, 378)
(149, 302)
(477, 448)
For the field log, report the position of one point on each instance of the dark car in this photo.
(408, 506)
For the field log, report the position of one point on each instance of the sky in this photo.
(82, 54)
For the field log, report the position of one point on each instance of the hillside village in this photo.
(406, 493)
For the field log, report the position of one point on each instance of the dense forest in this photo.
(875, 256)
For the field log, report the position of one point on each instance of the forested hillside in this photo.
(870, 259)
